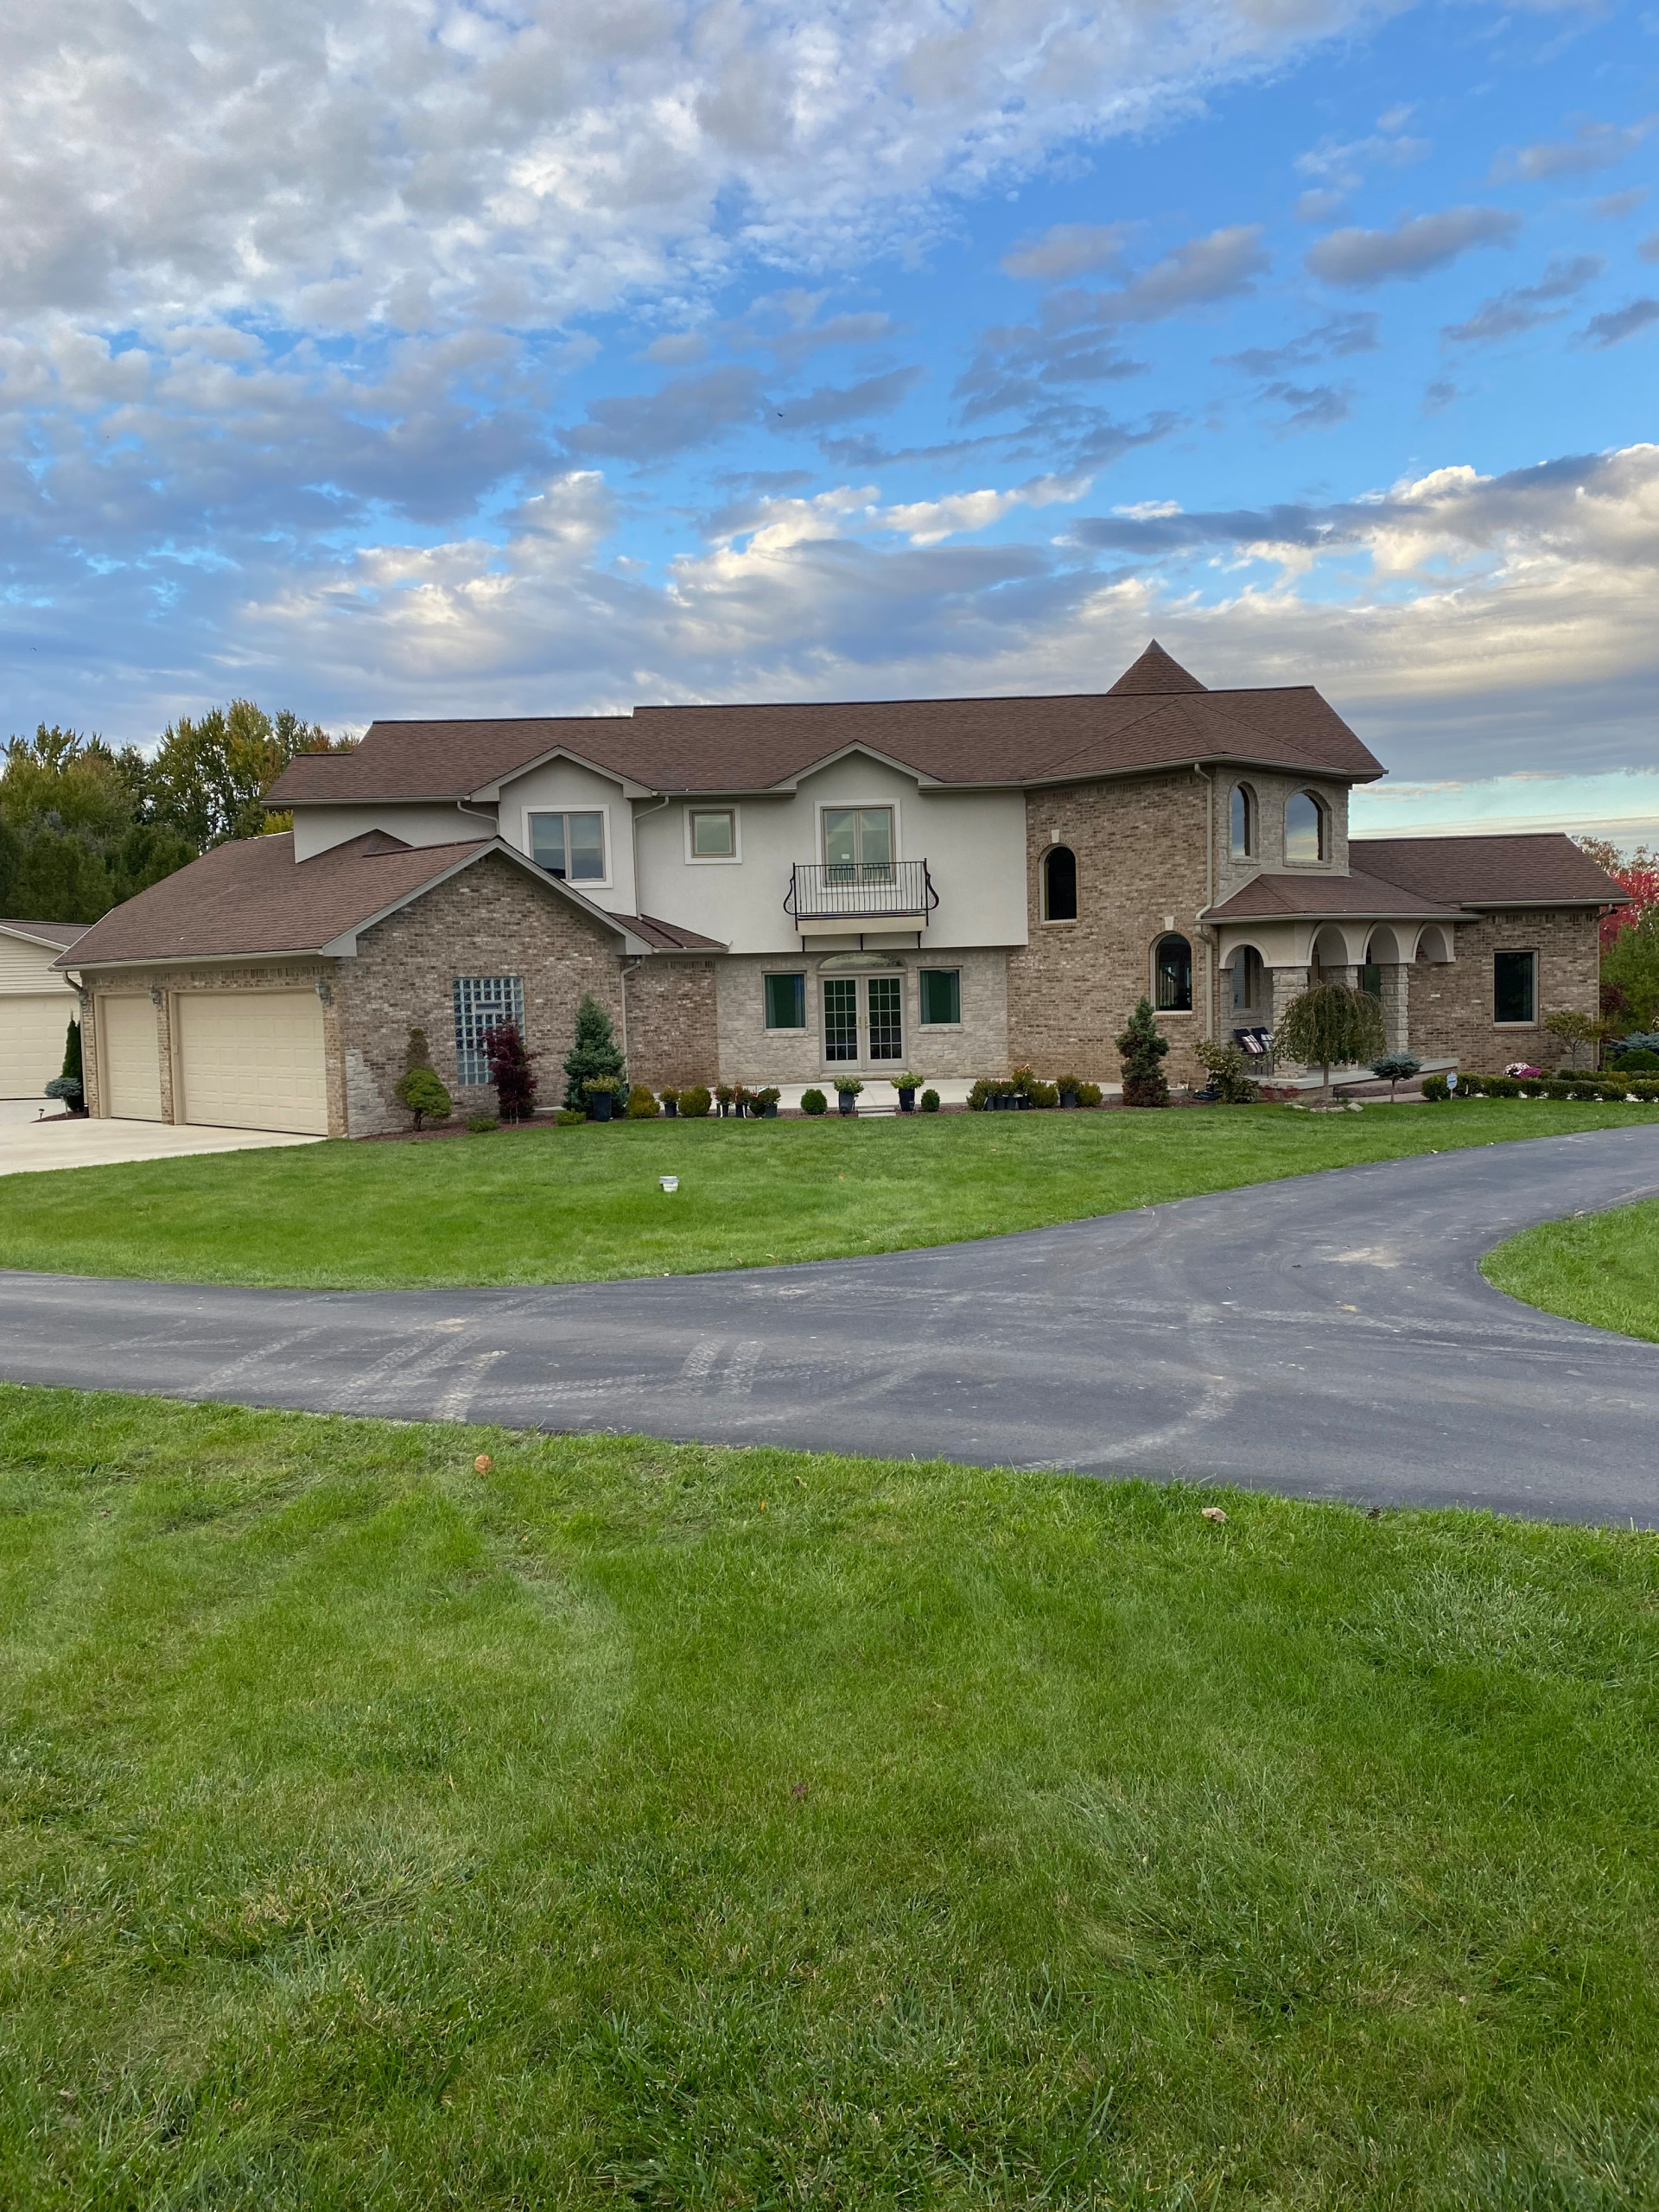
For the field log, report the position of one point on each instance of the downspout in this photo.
(1211, 936)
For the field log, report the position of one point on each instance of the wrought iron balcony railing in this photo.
(860, 890)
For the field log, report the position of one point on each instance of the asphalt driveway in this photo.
(1329, 1336)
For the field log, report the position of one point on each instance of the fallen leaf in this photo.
(1214, 1513)
(482, 1464)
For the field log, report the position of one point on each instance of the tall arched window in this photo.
(1241, 843)
(1060, 885)
(1171, 975)
(1306, 837)
(1249, 981)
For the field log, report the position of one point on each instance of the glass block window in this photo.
(1515, 986)
(785, 1001)
(941, 994)
(483, 1003)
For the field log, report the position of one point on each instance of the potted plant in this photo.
(765, 1102)
(906, 1086)
(1068, 1086)
(670, 1102)
(847, 1090)
(602, 1091)
(723, 1097)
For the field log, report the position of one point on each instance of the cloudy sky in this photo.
(547, 357)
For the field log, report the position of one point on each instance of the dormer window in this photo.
(570, 846)
(1307, 832)
(1240, 843)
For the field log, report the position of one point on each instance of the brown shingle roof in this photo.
(724, 749)
(1536, 868)
(1354, 893)
(48, 932)
(669, 937)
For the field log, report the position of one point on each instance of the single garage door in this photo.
(130, 1058)
(252, 1060)
(32, 1027)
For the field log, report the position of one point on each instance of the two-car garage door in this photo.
(244, 1059)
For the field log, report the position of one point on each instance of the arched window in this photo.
(1240, 843)
(1060, 885)
(1306, 837)
(1171, 975)
(1249, 981)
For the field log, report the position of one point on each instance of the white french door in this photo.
(863, 1020)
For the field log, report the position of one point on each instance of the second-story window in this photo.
(858, 843)
(1241, 843)
(1307, 835)
(712, 833)
(1060, 885)
(570, 846)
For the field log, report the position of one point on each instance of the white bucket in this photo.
(668, 1182)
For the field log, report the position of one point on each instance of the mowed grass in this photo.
(563, 1205)
(635, 1824)
(1601, 1268)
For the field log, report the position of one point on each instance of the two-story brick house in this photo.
(780, 893)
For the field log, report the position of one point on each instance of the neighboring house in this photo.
(37, 1003)
(782, 893)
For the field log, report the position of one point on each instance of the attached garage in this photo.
(252, 1059)
(130, 1058)
(36, 1005)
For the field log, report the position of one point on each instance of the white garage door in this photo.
(32, 1027)
(253, 1060)
(130, 1058)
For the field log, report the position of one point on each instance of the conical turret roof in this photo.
(1155, 671)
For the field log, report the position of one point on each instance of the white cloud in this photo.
(1361, 259)
(929, 522)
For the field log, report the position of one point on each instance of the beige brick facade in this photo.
(1451, 1008)
(672, 1033)
(1141, 850)
(977, 1044)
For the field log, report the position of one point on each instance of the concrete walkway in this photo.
(1329, 1336)
(29, 1145)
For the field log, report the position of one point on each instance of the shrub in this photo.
(511, 1071)
(694, 1102)
(1469, 1086)
(73, 1072)
(848, 1086)
(1647, 1091)
(569, 1117)
(814, 1101)
(1636, 1062)
(1042, 1094)
(1088, 1094)
(669, 1096)
(1331, 1026)
(1143, 1050)
(724, 1092)
(1023, 1078)
(1396, 1067)
(1229, 1071)
(482, 1124)
(929, 1102)
(1501, 1086)
(762, 1099)
(1072, 1083)
(987, 1088)
(420, 1092)
(642, 1104)
(595, 1052)
(1573, 1030)
(1436, 1088)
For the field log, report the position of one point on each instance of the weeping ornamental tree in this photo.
(1330, 1026)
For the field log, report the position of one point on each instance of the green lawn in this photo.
(562, 1205)
(1602, 1268)
(637, 1824)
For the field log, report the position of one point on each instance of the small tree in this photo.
(1144, 1081)
(1571, 1030)
(1396, 1067)
(510, 1073)
(1229, 1071)
(419, 1090)
(595, 1052)
(68, 1087)
(1331, 1026)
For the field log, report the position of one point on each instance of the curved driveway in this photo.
(1330, 1336)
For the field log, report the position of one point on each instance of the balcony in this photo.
(860, 895)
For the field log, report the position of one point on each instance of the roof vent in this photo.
(1156, 671)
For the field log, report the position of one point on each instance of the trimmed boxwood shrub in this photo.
(812, 1101)
(929, 1102)
(696, 1102)
(1435, 1088)
(642, 1104)
(1088, 1094)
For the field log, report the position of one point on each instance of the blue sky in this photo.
(430, 358)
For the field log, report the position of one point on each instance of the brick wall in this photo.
(489, 920)
(671, 1022)
(1451, 1007)
(1141, 848)
(752, 1053)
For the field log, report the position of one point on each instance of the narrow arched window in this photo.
(1060, 885)
(1171, 975)
(1306, 837)
(1241, 843)
(1250, 979)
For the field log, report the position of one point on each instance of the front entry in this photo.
(864, 1020)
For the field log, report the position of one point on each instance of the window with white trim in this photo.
(711, 833)
(570, 845)
(483, 1003)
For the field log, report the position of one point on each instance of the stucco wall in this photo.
(318, 829)
(1450, 1002)
(1141, 848)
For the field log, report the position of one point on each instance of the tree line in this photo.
(83, 826)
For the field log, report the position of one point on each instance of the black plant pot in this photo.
(769, 1111)
(671, 1107)
(1020, 1101)
(907, 1099)
(604, 1105)
(849, 1102)
(1068, 1098)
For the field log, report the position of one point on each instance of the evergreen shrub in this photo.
(814, 1101)
(694, 1102)
(642, 1104)
(595, 1052)
(1142, 1049)
(929, 1102)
